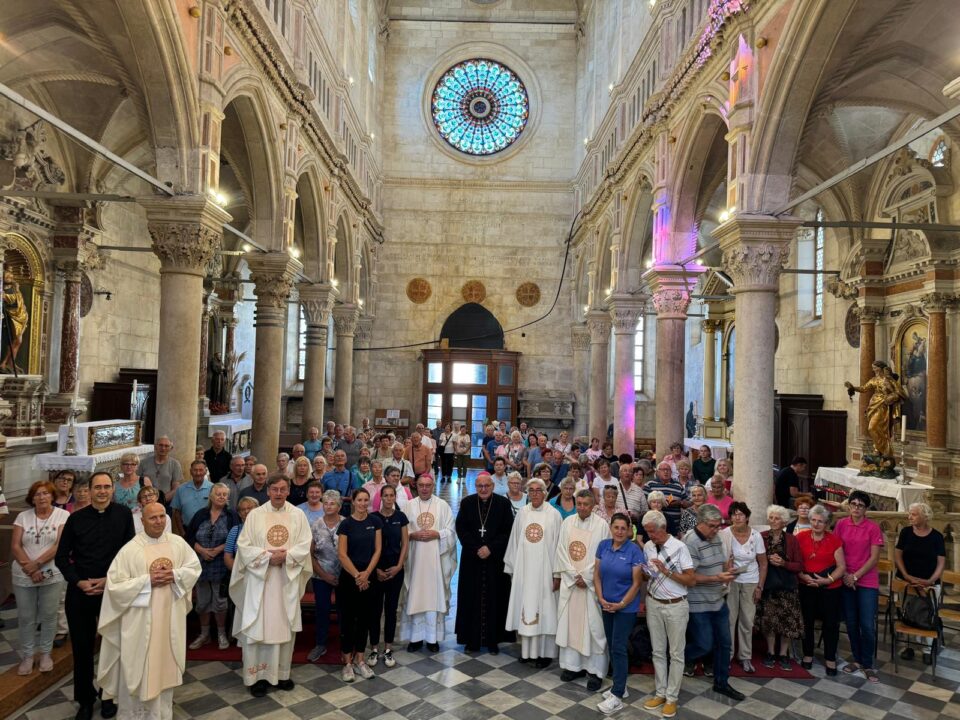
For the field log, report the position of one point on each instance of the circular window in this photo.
(480, 107)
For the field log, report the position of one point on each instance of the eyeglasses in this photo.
(128, 464)
(536, 490)
(857, 503)
(714, 526)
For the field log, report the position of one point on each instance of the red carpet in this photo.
(736, 670)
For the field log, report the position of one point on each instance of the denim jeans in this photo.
(321, 598)
(617, 627)
(709, 632)
(37, 605)
(860, 615)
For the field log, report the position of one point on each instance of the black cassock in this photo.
(483, 590)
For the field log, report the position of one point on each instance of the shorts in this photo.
(209, 598)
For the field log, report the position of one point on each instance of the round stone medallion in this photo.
(474, 291)
(528, 294)
(425, 521)
(278, 535)
(419, 290)
(161, 563)
(86, 295)
(534, 533)
(851, 326)
(577, 550)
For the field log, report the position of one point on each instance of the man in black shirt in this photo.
(787, 485)
(216, 458)
(91, 538)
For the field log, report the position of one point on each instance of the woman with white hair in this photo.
(515, 493)
(778, 612)
(516, 454)
(326, 568)
(565, 503)
(920, 558)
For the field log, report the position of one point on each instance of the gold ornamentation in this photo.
(161, 563)
(425, 521)
(528, 294)
(534, 533)
(577, 550)
(474, 291)
(278, 535)
(419, 290)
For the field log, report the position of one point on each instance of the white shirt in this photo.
(675, 555)
(744, 555)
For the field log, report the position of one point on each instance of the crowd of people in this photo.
(562, 548)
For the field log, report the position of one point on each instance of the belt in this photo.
(669, 601)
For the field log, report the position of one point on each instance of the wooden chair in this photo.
(886, 571)
(950, 582)
(899, 628)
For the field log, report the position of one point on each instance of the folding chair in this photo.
(899, 628)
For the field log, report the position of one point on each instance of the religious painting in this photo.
(911, 360)
(23, 309)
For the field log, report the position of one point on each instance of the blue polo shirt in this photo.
(189, 499)
(339, 481)
(616, 571)
(311, 448)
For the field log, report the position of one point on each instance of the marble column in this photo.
(935, 304)
(70, 327)
(671, 301)
(580, 342)
(755, 249)
(186, 231)
(708, 407)
(360, 398)
(598, 322)
(273, 275)
(204, 355)
(625, 311)
(868, 354)
(345, 318)
(316, 301)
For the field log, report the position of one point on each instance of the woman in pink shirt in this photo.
(720, 497)
(862, 541)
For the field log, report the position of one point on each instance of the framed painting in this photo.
(911, 360)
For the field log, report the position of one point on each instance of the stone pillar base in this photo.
(26, 395)
(203, 406)
(56, 410)
(935, 467)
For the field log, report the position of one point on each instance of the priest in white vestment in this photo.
(532, 561)
(431, 563)
(143, 620)
(270, 571)
(580, 634)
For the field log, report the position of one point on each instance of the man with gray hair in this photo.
(709, 624)
(670, 575)
(165, 471)
(216, 456)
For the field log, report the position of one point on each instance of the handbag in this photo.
(779, 580)
(918, 609)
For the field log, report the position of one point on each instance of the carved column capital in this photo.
(317, 301)
(625, 312)
(580, 337)
(345, 318)
(937, 302)
(273, 275)
(671, 303)
(187, 231)
(755, 250)
(364, 332)
(868, 315)
(711, 326)
(598, 323)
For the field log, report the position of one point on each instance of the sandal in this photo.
(851, 668)
(872, 675)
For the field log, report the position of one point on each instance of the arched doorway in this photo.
(473, 326)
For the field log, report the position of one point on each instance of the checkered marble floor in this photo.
(455, 684)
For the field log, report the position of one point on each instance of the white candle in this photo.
(133, 401)
(76, 385)
(903, 428)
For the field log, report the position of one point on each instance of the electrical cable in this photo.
(553, 305)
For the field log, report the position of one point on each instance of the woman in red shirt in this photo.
(820, 582)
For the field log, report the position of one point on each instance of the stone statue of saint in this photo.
(691, 422)
(882, 408)
(15, 319)
(215, 375)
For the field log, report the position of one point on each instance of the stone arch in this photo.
(473, 326)
(343, 259)
(602, 280)
(310, 231)
(636, 246)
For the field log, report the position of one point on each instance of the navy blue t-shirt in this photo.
(391, 541)
(361, 539)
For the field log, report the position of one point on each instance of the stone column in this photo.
(755, 249)
(598, 322)
(316, 301)
(70, 327)
(186, 232)
(935, 304)
(273, 275)
(360, 398)
(204, 355)
(580, 342)
(708, 407)
(345, 319)
(671, 298)
(625, 311)
(868, 354)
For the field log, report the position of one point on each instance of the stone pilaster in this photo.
(316, 300)
(273, 275)
(755, 250)
(935, 304)
(580, 342)
(708, 407)
(360, 401)
(345, 318)
(868, 354)
(598, 323)
(186, 231)
(625, 312)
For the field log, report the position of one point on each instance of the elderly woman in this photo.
(207, 535)
(608, 507)
(658, 501)
(319, 467)
(565, 503)
(724, 468)
(515, 493)
(361, 473)
(244, 506)
(704, 467)
(562, 444)
(146, 496)
(37, 581)
(129, 483)
(920, 558)
(63, 497)
(602, 478)
(778, 613)
(720, 497)
(326, 569)
(749, 558)
(821, 553)
(544, 471)
(283, 461)
(516, 454)
(685, 476)
(802, 504)
(688, 519)
(302, 470)
(862, 542)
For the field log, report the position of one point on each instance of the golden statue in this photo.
(16, 319)
(882, 410)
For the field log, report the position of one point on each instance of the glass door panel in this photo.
(434, 408)
(478, 414)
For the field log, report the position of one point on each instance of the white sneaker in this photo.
(365, 672)
(388, 659)
(610, 705)
(199, 642)
(607, 694)
(223, 642)
(347, 674)
(372, 658)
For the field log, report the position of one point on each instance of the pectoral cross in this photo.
(483, 531)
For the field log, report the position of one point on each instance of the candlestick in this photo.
(133, 402)
(903, 428)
